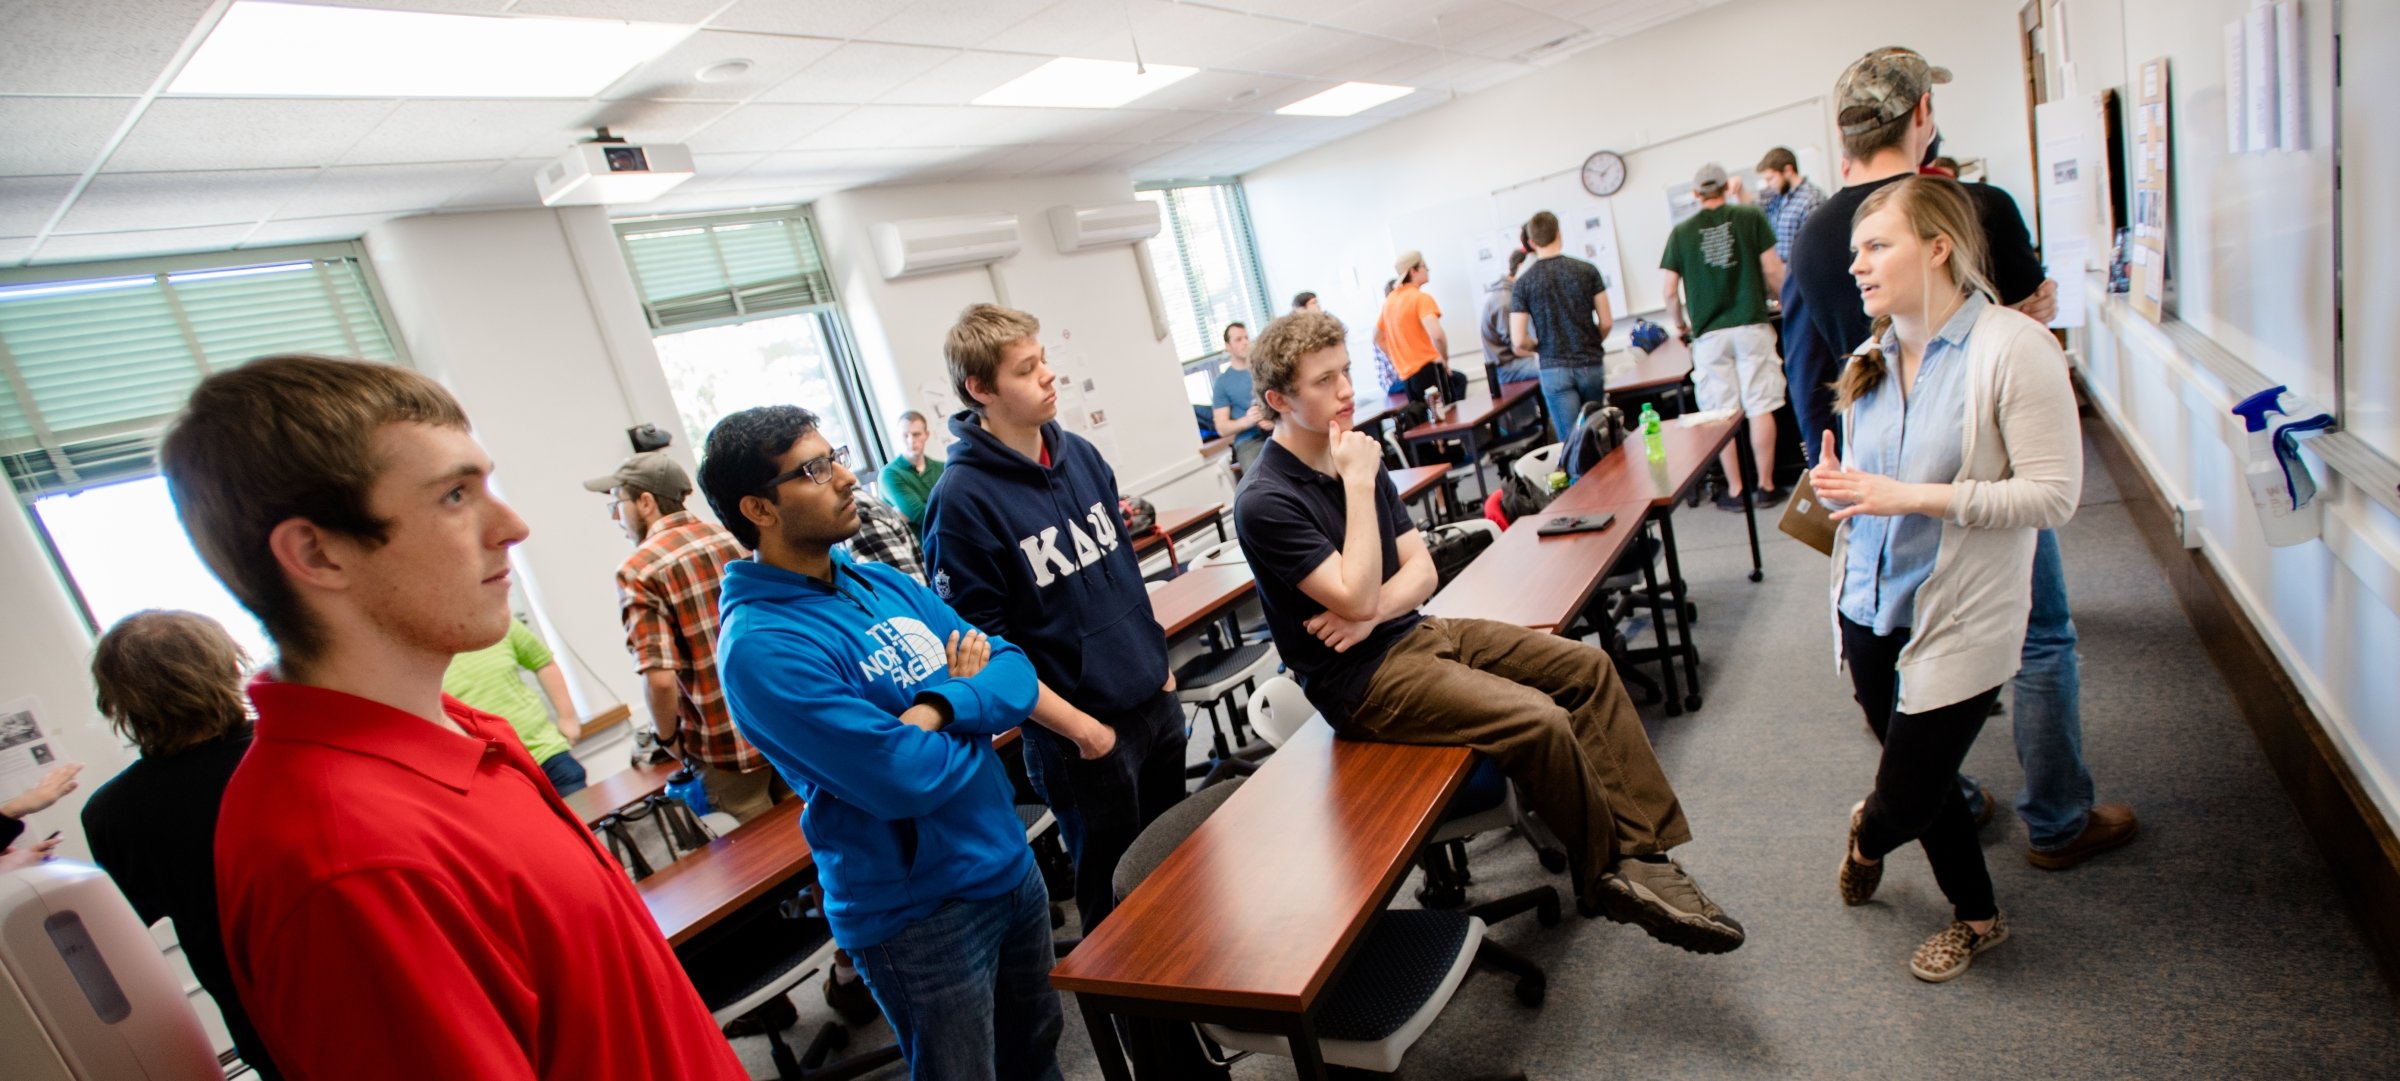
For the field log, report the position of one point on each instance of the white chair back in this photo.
(1279, 709)
(1537, 464)
(1222, 552)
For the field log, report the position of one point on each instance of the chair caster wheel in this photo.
(1553, 860)
(1691, 702)
(1757, 575)
(1531, 990)
(1548, 912)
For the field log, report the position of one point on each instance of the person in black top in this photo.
(1558, 310)
(1884, 105)
(1341, 571)
(172, 683)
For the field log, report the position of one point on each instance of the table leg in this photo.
(1219, 520)
(1683, 623)
(1746, 459)
(1474, 447)
(1308, 1060)
(1102, 1028)
(1658, 626)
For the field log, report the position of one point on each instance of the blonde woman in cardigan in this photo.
(1963, 443)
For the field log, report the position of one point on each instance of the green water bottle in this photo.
(1651, 438)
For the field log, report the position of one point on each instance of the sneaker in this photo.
(1858, 880)
(1659, 897)
(1772, 496)
(1730, 502)
(1946, 956)
(2106, 826)
(773, 1015)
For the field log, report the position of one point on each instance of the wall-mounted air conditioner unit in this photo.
(922, 245)
(1081, 228)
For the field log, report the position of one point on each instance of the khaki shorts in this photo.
(1738, 366)
(743, 795)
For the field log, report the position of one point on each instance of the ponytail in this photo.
(1866, 369)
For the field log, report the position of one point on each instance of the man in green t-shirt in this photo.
(909, 478)
(1722, 260)
(489, 679)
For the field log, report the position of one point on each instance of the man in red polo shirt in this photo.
(403, 895)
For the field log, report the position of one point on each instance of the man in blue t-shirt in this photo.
(878, 704)
(1025, 540)
(1237, 412)
(1341, 572)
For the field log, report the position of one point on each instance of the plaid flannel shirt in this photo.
(667, 594)
(1787, 211)
(884, 536)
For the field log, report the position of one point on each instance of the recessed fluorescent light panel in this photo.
(290, 50)
(1346, 99)
(1075, 83)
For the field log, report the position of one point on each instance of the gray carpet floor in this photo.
(2212, 947)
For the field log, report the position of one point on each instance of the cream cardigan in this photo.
(2022, 471)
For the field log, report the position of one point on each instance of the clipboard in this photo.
(1807, 519)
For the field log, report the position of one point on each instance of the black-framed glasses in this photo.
(818, 469)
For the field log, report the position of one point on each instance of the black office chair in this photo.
(759, 954)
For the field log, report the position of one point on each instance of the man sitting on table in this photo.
(1341, 574)
(879, 704)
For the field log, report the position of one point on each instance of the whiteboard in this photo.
(1586, 222)
(2370, 225)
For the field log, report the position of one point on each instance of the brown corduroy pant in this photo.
(1552, 713)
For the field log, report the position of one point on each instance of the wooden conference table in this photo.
(1416, 480)
(616, 791)
(1196, 598)
(1249, 920)
(715, 880)
(1540, 582)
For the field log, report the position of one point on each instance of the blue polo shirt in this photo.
(1290, 519)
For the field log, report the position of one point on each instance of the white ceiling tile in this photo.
(467, 130)
(1086, 157)
(57, 135)
(121, 202)
(1200, 37)
(1218, 91)
(675, 74)
(649, 11)
(312, 230)
(14, 249)
(453, 7)
(762, 127)
(509, 185)
(635, 121)
(178, 134)
(1310, 50)
(1518, 36)
(1213, 126)
(369, 189)
(1393, 18)
(1047, 30)
(858, 72)
(89, 246)
(962, 78)
(802, 166)
(26, 202)
(954, 23)
(67, 47)
(818, 18)
(935, 125)
(1634, 16)
(1148, 126)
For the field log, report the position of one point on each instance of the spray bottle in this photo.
(2280, 484)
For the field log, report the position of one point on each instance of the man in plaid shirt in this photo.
(667, 594)
(1787, 197)
(884, 536)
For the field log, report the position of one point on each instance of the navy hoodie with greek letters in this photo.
(1039, 556)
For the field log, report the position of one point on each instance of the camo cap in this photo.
(1883, 86)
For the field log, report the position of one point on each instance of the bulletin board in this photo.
(2151, 153)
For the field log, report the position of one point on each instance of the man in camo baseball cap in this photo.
(1882, 87)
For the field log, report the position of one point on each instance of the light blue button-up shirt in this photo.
(1914, 438)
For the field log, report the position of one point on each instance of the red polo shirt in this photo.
(401, 902)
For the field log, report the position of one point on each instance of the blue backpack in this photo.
(1648, 336)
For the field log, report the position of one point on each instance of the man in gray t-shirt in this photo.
(1559, 309)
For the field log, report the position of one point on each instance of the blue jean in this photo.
(1564, 390)
(967, 989)
(565, 773)
(1103, 805)
(2047, 713)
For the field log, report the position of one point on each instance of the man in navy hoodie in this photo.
(1024, 539)
(878, 704)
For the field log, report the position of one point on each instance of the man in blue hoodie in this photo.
(1024, 539)
(878, 704)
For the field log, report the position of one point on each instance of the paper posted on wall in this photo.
(25, 750)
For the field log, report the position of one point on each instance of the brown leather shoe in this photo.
(2107, 826)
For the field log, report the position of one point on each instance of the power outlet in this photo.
(2187, 523)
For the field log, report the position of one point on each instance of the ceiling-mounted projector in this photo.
(607, 170)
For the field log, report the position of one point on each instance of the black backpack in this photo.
(1520, 497)
(1598, 430)
(1453, 547)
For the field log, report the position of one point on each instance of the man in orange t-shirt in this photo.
(1410, 329)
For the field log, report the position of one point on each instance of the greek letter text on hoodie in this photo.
(1040, 555)
(901, 819)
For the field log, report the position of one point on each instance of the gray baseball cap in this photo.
(1883, 86)
(651, 471)
(1710, 179)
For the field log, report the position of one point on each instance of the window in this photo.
(97, 359)
(744, 315)
(1206, 265)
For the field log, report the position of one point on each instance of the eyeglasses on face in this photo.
(818, 469)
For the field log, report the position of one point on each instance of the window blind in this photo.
(96, 367)
(1207, 267)
(711, 269)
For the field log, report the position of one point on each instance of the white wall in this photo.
(1322, 212)
(46, 654)
(1090, 304)
(531, 318)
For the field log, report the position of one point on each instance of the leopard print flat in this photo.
(1946, 956)
(1858, 880)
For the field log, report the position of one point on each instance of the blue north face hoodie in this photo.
(901, 819)
(1040, 555)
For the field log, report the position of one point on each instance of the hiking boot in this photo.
(2106, 826)
(1858, 880)
(1946, 956)
(773, 1015)
(1659, 897)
